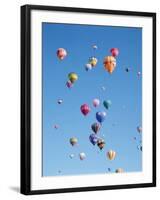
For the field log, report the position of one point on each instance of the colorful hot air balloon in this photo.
(96, 127)
(111, 154)
(109, 63)
(100, 116)
(107, 104)
(93, 138)
(101, 143)
(139, 129)
(82, 156)
(96, 102)
(61, 53)
(88, 66)
(119, 170)
(114, 52)
(85, 109)
(69, 84)
(73, 141)
(93, 61)
(72, 77)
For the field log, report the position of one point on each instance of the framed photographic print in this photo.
(88, 99)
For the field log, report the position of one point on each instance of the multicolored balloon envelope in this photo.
(61, 53)
(73, 77)
(96, 127)
(109, 63)
(101, 143)
(73, 141)
(111, 154)
(93, 138)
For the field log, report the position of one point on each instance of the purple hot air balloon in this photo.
(93, 138)
(69, 84)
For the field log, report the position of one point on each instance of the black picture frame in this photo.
(26, 98)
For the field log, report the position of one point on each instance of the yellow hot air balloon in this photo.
(111, 154)
(93, 61)
(72, 77)
(73, 141)
(119, 170)
(109, 63)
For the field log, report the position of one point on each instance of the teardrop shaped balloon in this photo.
(93, 61)
(73, 141)
(69, 84)
(101, 143)
(107, 104)
(85, 109)
(82, 156)
(114, 52)
(119, 170)
(111, 154)
(96, 127)
(100, 116)
(88, 66)
(61, 53)
(73, 77)
(96, 102)
(93, 138)
(109, 63)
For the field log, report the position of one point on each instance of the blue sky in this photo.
(122, 88)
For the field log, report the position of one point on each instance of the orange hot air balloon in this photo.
(111, 154)
(109, 63)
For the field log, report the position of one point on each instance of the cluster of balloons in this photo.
(110, 61)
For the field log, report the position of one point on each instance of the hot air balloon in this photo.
(96, 102)
(95, 47)
(85, 109)
(93, 61)
(61, 53)
(96, 127)
(109, 63)
(139, 129)
(127, 69)
(60, 101)
(103, 88)
(56, 126)
(82, 156)
(114, 52)
(139, 74)
(88, 66)
(73, 141)
(69, 84)
(71, 156)
(93, 138)
(107, 104)
(101, 143)
(111, 154)
(100, 116)
(72, 77)
(119, 170)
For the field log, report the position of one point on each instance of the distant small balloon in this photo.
(139, 74)
(96, 102)
(100, 116)
(82, 156)
(103, 88)
(139, 129)
(93, 138)
(127, 69)
(56, 126)
(88, 66)
(93, 61)
(60, 101)
(119, 170)
(107, 104)
(85, 109)
(73, 141)
(61, 53)
(111, 154)
(69, 84)
(95, 47)
(101, 143)
(71, 156)
(95, 127)
(114, 52)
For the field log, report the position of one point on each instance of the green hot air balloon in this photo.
(107, 104)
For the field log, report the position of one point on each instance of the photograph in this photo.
(92, 99)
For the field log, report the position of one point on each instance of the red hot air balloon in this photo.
(85, 109)
(114, 52)
(61, 53)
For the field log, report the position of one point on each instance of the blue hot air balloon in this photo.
(100, 116)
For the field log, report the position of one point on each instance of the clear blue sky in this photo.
(122, 88)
